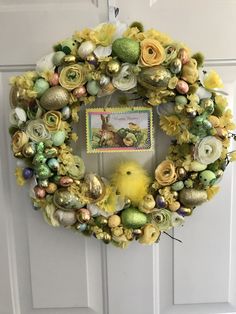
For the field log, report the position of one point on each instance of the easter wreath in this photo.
(163, 74)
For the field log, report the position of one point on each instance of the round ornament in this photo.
(130, 204)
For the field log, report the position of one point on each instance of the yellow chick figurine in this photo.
(147, 204)
(131, 180)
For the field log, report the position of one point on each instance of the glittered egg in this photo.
(65, 218)
(58, 138)
(182, 87)
(126, 49)
(92, 87)
(132, 218)
(86, 48)
(207, 177)
(53, 164)
(55, 98)
(66, 200)
(192, 197)
(43, 172)
(41, 86)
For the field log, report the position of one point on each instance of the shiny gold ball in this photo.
(52, 187)
(186, 211)
(101, 221)
(106, 238)
(127, 203)
(29, 150)
(181, 172)
(113, 67)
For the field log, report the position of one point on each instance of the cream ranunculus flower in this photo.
(52, 120)
(37, 131)
(162, 219)
(152, 53)
(208, 150)
(165, 173)
(126, 79)
(19, 139)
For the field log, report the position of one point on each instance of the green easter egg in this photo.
(92, 87)
(58, 58)
(177, 186)
(133, 218)
(40, 86)
(182, 100)
(126, 49)
(43, 172)
(206, 177)
(58, 138)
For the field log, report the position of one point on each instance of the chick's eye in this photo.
(128, 173)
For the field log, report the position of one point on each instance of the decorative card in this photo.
(119, 129)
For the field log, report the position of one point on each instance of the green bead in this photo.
(58, 138)
(126, 49)
(133, 218)
(207, 177)
(182, 100)
(177, 186)
(40, 86)
(92, 87)
(58, 58)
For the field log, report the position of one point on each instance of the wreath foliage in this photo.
(130, 204)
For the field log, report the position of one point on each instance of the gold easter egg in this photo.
(55, 98)
(154, 77)
(93, 188)
(192, 197)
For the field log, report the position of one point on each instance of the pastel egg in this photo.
(65, 113)
(93, 87)
(182, 87)
(58, 138)
(53, 164)
(58, 57)
(41, 86)
(207, 177)
(182, 100)
(54, 79)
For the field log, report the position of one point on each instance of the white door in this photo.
(54, 271)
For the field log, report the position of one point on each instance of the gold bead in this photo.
(18, 155)
(52, 187)
(101, 221)
(181, 172)
(106, 238)
(113, 67)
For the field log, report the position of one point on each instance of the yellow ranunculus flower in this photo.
(52, 120)
(165, 173)
(19, 139)
(152, 53)
(212, 80)
(150, 234)
(163, 38)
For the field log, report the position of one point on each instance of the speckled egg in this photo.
(58, 138)
(207, 177)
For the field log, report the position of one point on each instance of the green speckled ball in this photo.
(126, 49)
(207, 177)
